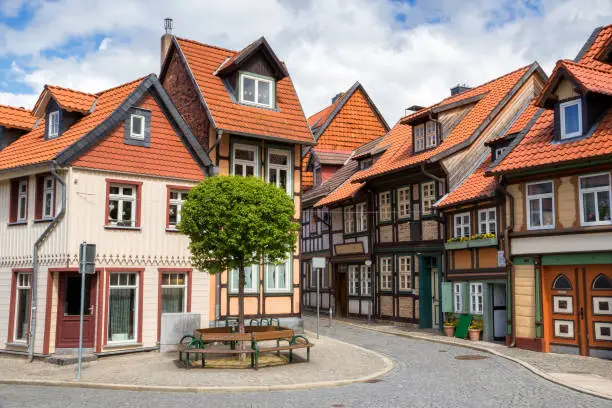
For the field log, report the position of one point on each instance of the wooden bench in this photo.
(191, 345)
(294, 342)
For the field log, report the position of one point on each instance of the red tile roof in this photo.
(286, 123)
(518, 125)
(71, 100)
(321, 116)
(16, 118)
(475, 187)
(401, 154)
(536, 149)
(346, 190)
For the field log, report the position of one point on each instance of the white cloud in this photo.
(327, 44)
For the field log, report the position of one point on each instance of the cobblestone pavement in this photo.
(426, 375)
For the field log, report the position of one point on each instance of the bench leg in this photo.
(278, 345)
(203, 360)
(187, 358)
(290, 356)
(308, 354)
(252, 360)
(180, 356)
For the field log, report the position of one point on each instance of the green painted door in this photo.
(425, 295)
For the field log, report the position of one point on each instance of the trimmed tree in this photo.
(234, 222)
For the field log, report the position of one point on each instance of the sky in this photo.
(403, 52)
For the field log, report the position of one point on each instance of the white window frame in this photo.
(562, 107)
(384, 204)
(430, 199)
(178, 202)
(288, 277)
(349, 219)
(405, 273)
(458, 223)
(404, 204)
(361, 210)
(23, 282)
(539, 197)
(257, 80)
(487, 220)
(244, 163)
(499, 151)
(278, 167)
(594, 190)
(419, 138)
(48, 191)
(22, 200)
(431, 134)
(353, 280)
(386, 273)
(121, 198)
(134, 135)
(457, 297)
(476, 298)
(176, 285)
(136, 303)
(366, 280)
(53, 126)
(233, 289)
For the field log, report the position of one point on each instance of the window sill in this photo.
(15, 344)
(235, 294)
(122, 344)
(41, 220)
(596, 224)
(17, 223)
(279, 293)
(116, 227)
(172, 230)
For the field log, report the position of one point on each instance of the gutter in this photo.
(41, 240)
(507, 249)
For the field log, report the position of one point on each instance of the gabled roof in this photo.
(330, 157)
(112, 107)
(68, 99)
(16, 118)
(534, 148)
(487, 101)
(476, 187)
(259, 45)
(284, 123)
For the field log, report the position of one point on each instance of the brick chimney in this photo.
(337, 96)
(166, 39)
(459, 88)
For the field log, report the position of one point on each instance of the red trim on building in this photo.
(168, 188)
(48, 306)
(137, 184)
(161, 271)
(140, 272)
(14, 199)
(11, 327)
(40, 198)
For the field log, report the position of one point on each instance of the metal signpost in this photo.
(87, 266)
(318, 263)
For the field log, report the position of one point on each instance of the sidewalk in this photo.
(332, 363)
(585, 374)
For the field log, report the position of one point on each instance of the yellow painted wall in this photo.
(524, 300)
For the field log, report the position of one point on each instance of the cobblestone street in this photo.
(425, 375)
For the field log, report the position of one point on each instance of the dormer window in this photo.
(571, 118)
(256, 90)
(316, 172)
(365, 164)
(137, 126)
(419, 138)
(53, 125)
(499, 151)
(432, 136)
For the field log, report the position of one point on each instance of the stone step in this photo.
(65, 359)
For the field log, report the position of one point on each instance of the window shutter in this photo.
(466, 297)
(38, 204)
(447, 297)
(13, 200)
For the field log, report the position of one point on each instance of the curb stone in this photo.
(485, 349)
(169, 388)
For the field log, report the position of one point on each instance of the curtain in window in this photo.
(121, 320)
(173, 300)
(22, 314)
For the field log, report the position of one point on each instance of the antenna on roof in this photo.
(168, 25)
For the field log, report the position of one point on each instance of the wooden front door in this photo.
(341, 291)
(68, 310)
(598, 310)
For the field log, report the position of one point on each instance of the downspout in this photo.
(219, 137)
(507, 248)
(37, 245)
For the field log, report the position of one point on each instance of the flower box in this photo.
(477, 243)
(456, 245)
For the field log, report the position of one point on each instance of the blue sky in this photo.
(403, 52)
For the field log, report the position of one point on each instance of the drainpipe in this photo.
(507, 248)
(43, 237)
(219, 136)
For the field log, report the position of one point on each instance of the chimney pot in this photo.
(168, 25)
(459, 88)
(166, 39)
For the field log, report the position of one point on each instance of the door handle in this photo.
(92, 309)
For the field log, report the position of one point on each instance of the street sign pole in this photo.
(82, 271)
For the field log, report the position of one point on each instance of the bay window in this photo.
(403, 202)
(386, 273)
(123, 307)
(405, 273)
(174, 292)
(245, 160)
(256, 90)
(462, 225)
(22, 307)
(278, 277)
(362, 217)
(251, 279)
(384, 202)
(279, 169)
(487, 221)
(540, 205)
(595, 196)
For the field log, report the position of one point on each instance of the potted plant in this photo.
(483, 240)
(449, 325)
(475, 328)
(457, 243)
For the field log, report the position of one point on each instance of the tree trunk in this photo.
(241, 282)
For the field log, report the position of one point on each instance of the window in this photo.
(462, 225)
(22, 200)
(53, 127)
(562, 283)
(385, 273)
(362, 217)
(602, 282)
(245, 160)
(176, 199)
(316, 174)
(174, 293)
(122, 205)
(22, 307)
(256, 90)
(403, 202)
(365, 164)
(571, 118)
(487, 221)
(137, 127)
(349, 220)
(499, 151)
(384, 200)
(476, 298)
(353, 280)
(419, 138)
(279, 169)
(540, 204)
(366, 280)
(323, 276)
(432, 136)
(48, 197)
(595, 199)
(428, 197)
(457, 298)
(405, 272)
(122, 307)
(251, 279)
(278, 277)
